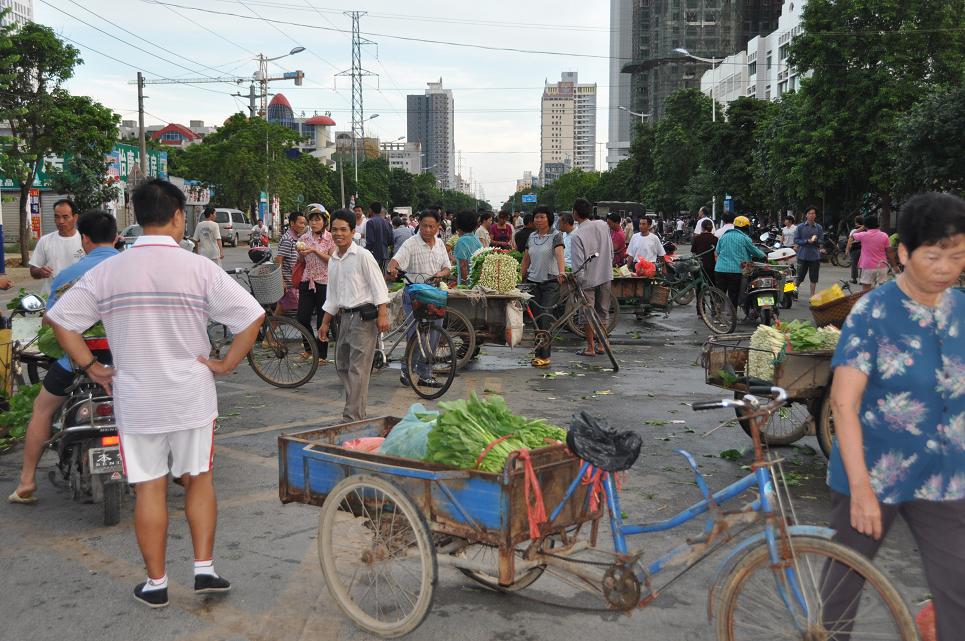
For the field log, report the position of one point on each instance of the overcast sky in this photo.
(497, 93)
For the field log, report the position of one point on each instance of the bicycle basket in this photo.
(267, 284)
(428, 302)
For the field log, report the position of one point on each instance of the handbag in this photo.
(298, 271)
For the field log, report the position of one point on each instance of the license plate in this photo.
(104, 460)
(765, 301)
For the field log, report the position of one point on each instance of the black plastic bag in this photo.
(594, 441)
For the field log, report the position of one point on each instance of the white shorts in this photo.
(145, 456)
(874, 277)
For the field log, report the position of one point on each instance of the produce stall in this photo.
(795, 356)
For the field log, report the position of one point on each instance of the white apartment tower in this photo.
(621, 129)
(21, 11)
(431, 124)
(568, 131)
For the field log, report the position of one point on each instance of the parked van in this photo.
(234, 225)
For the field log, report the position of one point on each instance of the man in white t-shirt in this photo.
(645, 244)
(207, 235)
(59, 249)
(728, 219)
(702, 214)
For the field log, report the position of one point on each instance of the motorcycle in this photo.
(763, 290)
(87, 444)
(259, 249)
(786, 257)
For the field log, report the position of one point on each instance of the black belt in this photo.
(353, 310)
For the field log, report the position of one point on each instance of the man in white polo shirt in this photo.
(155, 301)
(59, 249)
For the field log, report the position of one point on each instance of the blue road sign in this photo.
(529, 198)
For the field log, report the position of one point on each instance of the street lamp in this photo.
(713, 62)
(634, 113)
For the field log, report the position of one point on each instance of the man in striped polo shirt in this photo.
(155, 301)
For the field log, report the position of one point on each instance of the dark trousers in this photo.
(731, 284)
(806, 268)
(855, 257)
(939, 532)
(310, 302)
(546, 296)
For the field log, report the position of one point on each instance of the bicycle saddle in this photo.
(595, 442)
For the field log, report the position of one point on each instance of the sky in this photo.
(496, 93)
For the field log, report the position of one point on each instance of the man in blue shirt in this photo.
(98, 230)
(735, 247)
(808, 238)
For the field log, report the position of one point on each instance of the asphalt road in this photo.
(65, 576)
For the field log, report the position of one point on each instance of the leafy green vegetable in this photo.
(466, 427)
(730, 455)
(15, 303)
(804, 336)
(15, 419)
(47, 340)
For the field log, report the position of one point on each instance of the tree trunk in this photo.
(25, 222)
(887, 219)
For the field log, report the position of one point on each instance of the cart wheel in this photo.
(377, 555)
(785, 426)
(489, 555)
(463, 336)
(825, 423)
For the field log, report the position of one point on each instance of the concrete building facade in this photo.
(761, 70)
(706, 28)
(21, 11)
(621, 124)
(406, 156)
(568, 127)
(430, 122)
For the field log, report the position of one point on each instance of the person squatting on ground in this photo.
(156, 301)
(898, 400)
(358, 297)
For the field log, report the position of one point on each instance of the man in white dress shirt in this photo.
(358, 295)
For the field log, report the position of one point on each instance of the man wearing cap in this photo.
(735, 247)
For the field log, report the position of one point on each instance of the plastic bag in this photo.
(594, 441)
(514, 323)
(364, 444)
(409, 437)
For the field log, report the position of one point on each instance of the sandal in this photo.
(21, 500)
(584, 352)
(599, 349)
(540, 362)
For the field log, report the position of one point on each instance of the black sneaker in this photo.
(151, 598)
(404, 380)
(429, 382)
(204, 583)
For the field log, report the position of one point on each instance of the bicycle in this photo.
(276, 356)
(579, 307)
(430, 359)
(26, 361)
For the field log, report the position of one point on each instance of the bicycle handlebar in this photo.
(778, 398)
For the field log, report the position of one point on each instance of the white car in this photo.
(130, 233)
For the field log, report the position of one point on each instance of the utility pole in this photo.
(140, 123)
(252, 97)
(357, 73)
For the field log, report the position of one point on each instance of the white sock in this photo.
(204, 567)
(156, 584)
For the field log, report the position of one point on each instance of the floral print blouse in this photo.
(913, 409)
(316, 269)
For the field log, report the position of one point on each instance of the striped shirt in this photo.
(289, 255)
(156, 301)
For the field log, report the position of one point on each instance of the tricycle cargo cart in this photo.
(805, 375)
(387, 523)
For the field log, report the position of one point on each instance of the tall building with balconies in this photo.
(430, 122)
(568, 127)
(21, 11)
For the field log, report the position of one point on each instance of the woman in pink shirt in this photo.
(873, 262)
(314, 249)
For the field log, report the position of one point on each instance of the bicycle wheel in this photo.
(488, 556)
(716, 310)
(463, 336)
(277, 354)
(785, 426)
(430, 361)
(825, 423)
(601, 338)
(760, 601)
(685, 296)
(575, 324)
(377, 555)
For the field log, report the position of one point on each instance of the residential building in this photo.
(568, 126)
(431, 123)
(705, 28)
(21, 11)
(171, 134)
(366, 148)
(621, 124)
(406, 156)
(526, 183)
(761, 70)
(315, 131)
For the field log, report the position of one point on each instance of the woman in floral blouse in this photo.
(898, 399)
(314, 248)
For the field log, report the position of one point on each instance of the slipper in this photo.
(22, 500)
(599, 349)
(540, 362)
(584, 352)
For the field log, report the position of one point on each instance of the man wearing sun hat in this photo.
(735, 247)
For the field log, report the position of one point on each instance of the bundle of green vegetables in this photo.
(13, 421)
(466, 427)
(805, 337)
(494, 270)
(47, 341)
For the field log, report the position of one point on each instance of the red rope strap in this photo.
(489, 448)
(535, 509)
(594, 477)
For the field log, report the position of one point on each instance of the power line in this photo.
(396, 37)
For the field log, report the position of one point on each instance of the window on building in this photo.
(782, 52)
(769, 56)
(752, 69)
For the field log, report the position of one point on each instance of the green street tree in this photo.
(928, 144)
(84, 179)
(43, 117)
